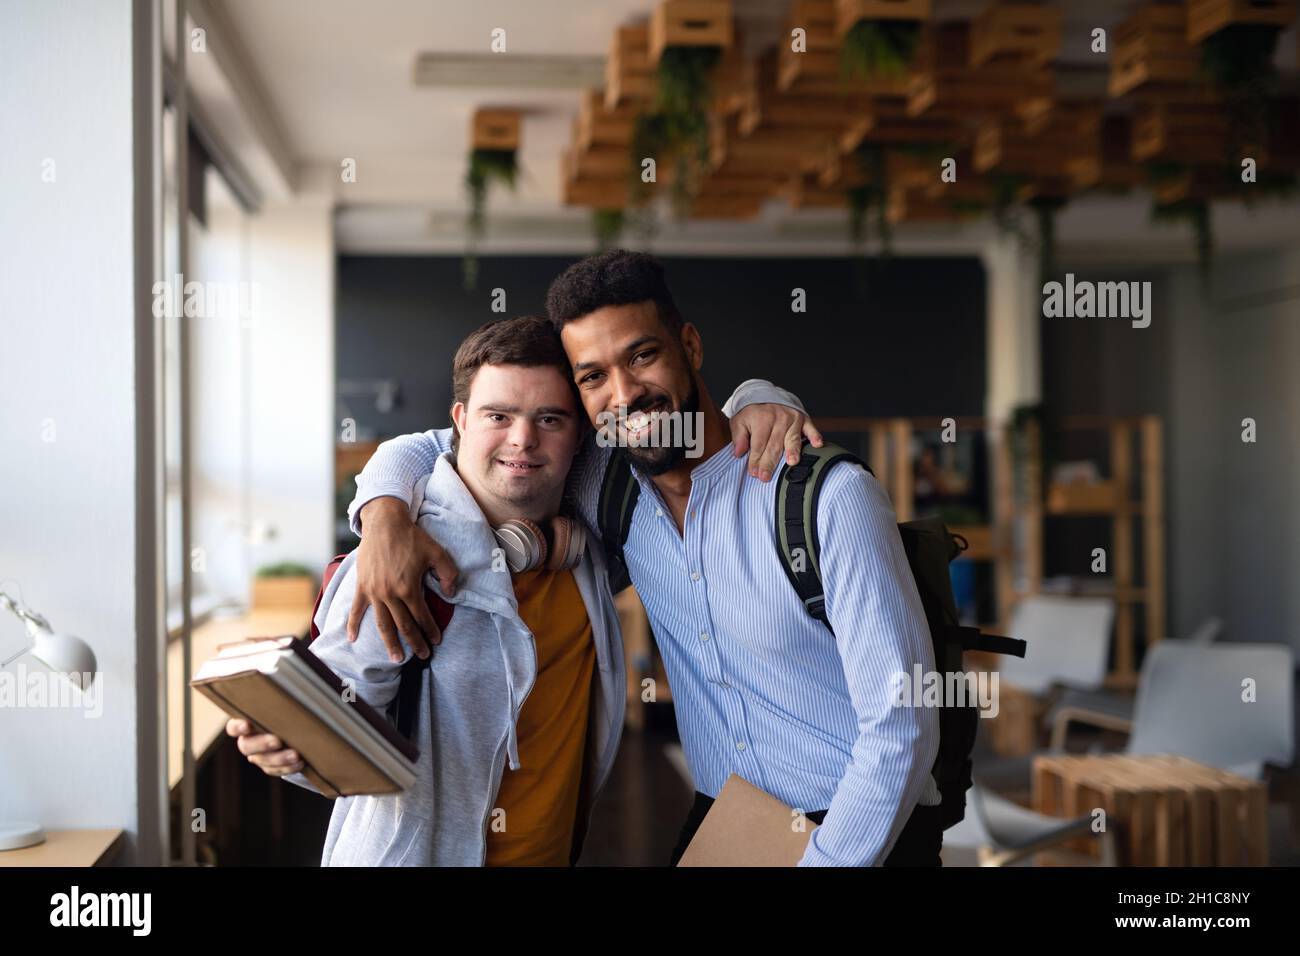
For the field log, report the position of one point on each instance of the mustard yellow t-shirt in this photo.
(540, 799)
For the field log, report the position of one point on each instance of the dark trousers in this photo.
(917, 845)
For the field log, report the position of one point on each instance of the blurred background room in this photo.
(241, 240)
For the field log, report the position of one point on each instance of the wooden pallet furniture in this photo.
(1166, 810)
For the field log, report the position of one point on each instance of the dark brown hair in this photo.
(529, 341)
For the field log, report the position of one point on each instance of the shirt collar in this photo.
(715, 464)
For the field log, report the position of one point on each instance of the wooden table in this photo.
(1164, 810)
(67, 848)
(209, 720)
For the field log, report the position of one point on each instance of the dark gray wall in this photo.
(907, 337)
(1213, 355)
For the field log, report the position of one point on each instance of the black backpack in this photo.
(929, 547)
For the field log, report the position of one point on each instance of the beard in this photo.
(656, 460)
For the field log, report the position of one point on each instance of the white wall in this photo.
(67, 395)
(1234, 508)
(292, 381)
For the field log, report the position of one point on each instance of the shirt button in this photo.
(740, 745)
(695, 575)
(659, 512)
(704, 636)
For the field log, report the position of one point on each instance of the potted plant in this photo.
(287, 584)
(486, 166)
(676, 128)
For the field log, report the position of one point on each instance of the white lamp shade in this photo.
(65, 654)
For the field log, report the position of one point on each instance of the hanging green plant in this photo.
(486, 166)
(676, 128)
(608, 225)
(871, 195)
(1196, 213)
(1045, 209)
(879, 48)
(1005, 207)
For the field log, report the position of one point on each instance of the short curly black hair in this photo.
(616, 277)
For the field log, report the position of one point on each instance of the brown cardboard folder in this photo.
(748, 827)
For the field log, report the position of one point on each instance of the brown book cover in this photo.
(748, 827)
(302, 650)
(333, 765)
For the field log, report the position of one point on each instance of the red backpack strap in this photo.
(439, 608)
(326, 576)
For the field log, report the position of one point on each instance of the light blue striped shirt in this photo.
(762, 689)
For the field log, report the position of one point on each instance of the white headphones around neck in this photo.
(526, 548)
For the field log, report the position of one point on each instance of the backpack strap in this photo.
(797, 492)
(330, 569)
(619, 492)
(405, 707)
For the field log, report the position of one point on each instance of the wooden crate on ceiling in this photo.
(821, 55)
(911, 205)
(803, 191)
(849, 12)
(1206, 17)
(628, 73)
(1057, 186)
(889, 122)
(1196, 182)
(1076, 117)
(598, 125)
(1020, 33)
(975, 93)
(764, 103)
(714, 206)
(495, 129)
(730, 78)
(1193, 134)
(599, 162)
(690, 23)
(772, 149)
(999, 146)
(1151, 49)
(944, 83)
(817, 70)
(598, 193)
(1111, 165)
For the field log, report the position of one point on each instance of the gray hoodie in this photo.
(470, 696)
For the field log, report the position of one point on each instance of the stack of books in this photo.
(278, 684)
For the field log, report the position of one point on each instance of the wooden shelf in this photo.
(1142, 472)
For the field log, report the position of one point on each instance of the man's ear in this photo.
(459, 416)
(692, 345)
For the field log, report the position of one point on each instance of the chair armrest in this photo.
(1081, 715)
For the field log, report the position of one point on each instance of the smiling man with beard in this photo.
(762, 689)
